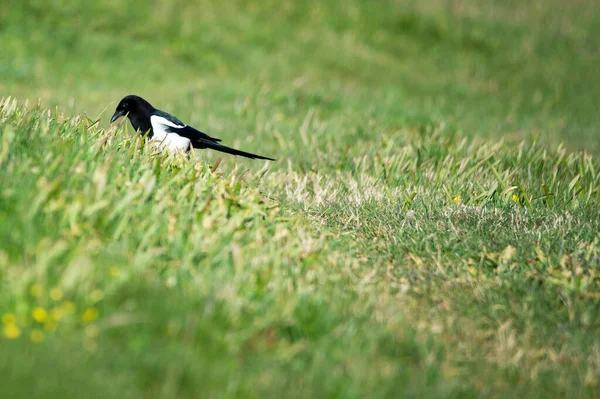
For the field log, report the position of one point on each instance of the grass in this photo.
(430, 228)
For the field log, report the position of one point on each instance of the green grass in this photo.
(430, 228)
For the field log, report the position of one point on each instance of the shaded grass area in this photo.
(422, 233)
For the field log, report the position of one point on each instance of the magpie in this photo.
(167, 130)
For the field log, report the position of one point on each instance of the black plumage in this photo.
(169, 131)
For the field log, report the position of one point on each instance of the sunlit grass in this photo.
(110, 244)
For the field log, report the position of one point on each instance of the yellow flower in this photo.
(457, 199)
(68, 307)
(57, 313)
(11, 331)
(89, 315)
(114, 271)
(39, 314)
(8, 318)
(50, 325)
(36, 336)
(56, 294)
(515, 198)
(35, 290)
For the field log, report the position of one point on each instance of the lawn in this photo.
(430, 227)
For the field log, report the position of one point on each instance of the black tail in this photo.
(220, 147)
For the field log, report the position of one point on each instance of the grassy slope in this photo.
(351, 268)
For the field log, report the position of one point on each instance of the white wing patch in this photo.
(171, 141)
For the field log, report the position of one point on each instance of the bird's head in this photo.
(131, 105)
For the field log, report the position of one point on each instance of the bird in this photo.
(168, 131)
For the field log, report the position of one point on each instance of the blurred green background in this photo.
(494, 68)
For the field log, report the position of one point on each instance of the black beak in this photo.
(116, 116)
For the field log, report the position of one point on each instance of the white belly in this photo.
(171, 142)
(164, 139)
